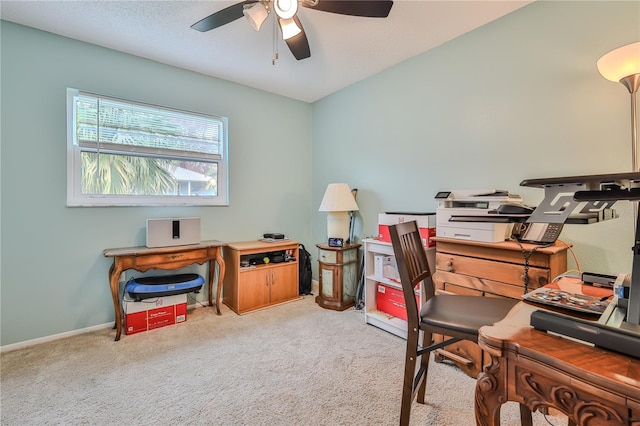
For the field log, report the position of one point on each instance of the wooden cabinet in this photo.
(505, 269)
(260, 274)
(338, 276)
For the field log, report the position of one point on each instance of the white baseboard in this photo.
(32, 342)
(27, 343)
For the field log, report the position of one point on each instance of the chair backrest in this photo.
(413, 266)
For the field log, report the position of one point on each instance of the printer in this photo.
(465, 214)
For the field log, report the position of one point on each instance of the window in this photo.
(123, 153)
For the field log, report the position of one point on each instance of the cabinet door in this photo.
(283, 283)
(254, 291)
(349, 281)
(327, 277)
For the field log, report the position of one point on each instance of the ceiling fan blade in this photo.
(222, 17)
(365, 8)
(298, 44)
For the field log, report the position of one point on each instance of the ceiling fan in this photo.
(293, 34)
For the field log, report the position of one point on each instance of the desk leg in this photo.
(489, 394)
(114, 283)
(221, 270)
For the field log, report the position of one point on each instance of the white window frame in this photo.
(75, 197)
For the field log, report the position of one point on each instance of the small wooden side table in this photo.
(338, 270)
(142, 259)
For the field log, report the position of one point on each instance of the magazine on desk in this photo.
(571, 293)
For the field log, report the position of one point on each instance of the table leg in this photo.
(114, 283)
(221, 270)
(489, 394)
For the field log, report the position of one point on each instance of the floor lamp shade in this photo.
(621, 62)
(623, 65)
(338, 200)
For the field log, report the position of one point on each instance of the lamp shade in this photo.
(338, 198)
(256, 15)
(621, 62)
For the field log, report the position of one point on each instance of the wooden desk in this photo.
(592, 386)
(167, 258)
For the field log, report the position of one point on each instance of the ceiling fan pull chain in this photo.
(275, 42)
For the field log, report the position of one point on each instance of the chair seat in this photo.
(464, 315)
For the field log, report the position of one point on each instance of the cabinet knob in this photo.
(449, 265)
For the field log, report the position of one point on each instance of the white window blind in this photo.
(129, 153)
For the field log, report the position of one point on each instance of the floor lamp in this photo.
(623, 65)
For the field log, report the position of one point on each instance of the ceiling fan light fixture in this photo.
(285, 9)
(289, 28)
(256, 15)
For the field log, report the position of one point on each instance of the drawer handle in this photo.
(176, 256)
(449, 265)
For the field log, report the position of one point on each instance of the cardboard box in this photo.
(153, 313)
(426, 225)
(382, 263)
(390, 300)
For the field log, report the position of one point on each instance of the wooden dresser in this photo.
(491, 270)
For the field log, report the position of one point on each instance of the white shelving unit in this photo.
(373, 247)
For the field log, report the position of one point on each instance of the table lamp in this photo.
(338, 200)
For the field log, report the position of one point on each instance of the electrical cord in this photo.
(359, 299)
(527, 255)
(191, 297)
(575, 258)
(546, 419)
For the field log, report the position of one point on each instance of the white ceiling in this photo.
(344, 49)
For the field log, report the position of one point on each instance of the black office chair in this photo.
(456, 316)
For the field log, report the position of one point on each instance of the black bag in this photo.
(304, 273)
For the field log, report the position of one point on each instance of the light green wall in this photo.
(54, 277)
(518, 98)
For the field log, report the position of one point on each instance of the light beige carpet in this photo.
(293, 364)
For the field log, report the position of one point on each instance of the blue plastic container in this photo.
(167, 285)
